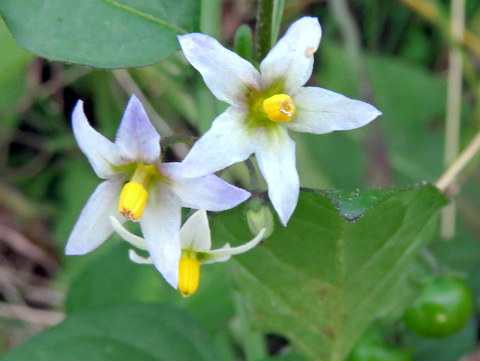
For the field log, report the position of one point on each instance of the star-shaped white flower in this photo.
(264, 105)
(139, 187)
(196, 243)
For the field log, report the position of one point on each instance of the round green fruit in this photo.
(443, 307)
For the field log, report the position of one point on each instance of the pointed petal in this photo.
(226, 74)
(224, 254)
(101, 152)
(135, 257)
(131, 238)
(321, 111)
(276, 159)
(228, 141)
(291, 59)
(208, 192)
(161, 227)
(137, 139)
(93, 225)
(195, 233)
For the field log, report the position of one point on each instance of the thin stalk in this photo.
(454, 98)
(277, 19)
(430, 12)
(254, 180)
(210, 16)
(448, 177)
(264, 28)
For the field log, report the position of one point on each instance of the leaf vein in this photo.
(149, 17)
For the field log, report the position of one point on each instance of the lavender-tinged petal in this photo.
(291, 59)
(137, 139)
(161, 227)
(101, 153)
(276, 159)
(226, 74)
(322, 111)
(195, 233)
(93, 225)
(228, 141)
(208, 192)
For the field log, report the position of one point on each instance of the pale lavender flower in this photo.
(138, 186)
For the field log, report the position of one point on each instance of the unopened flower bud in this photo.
(260, 218)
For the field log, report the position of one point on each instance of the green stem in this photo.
(264, 28)
(252, 172)
(277, 19)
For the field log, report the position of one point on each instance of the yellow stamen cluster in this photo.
(132, 202)
(279, 108)
(188, 275)
(134, 196)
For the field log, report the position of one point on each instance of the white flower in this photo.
(153, 194)
(264, 105)
(196, 246)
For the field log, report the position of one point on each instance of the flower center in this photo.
(134, 195)
(279, 108)
(188, 275)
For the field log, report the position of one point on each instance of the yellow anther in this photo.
(188, 276)
(132, 201)
(279, 108)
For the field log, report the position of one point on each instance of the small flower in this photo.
(264, 105)
(139, 187)
(196, 246)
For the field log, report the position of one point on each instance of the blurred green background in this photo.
(45, 179)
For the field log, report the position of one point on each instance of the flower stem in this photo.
(269, 16)
(252, 172)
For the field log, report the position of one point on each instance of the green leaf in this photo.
(112, 278)
(13, 78)
(353, 204)
(120, 332)
(322, 280)
(106, 33)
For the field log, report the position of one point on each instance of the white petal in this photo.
(101, 153)
(322, 111)
(195, 233)
(291, 59)
(226, 74)
(208, 192)
(137, 139)
(276, 159)
(228, 141)
(93, 225)
(224, 254)
(161, 227)
(131, 238)
(135, 257)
